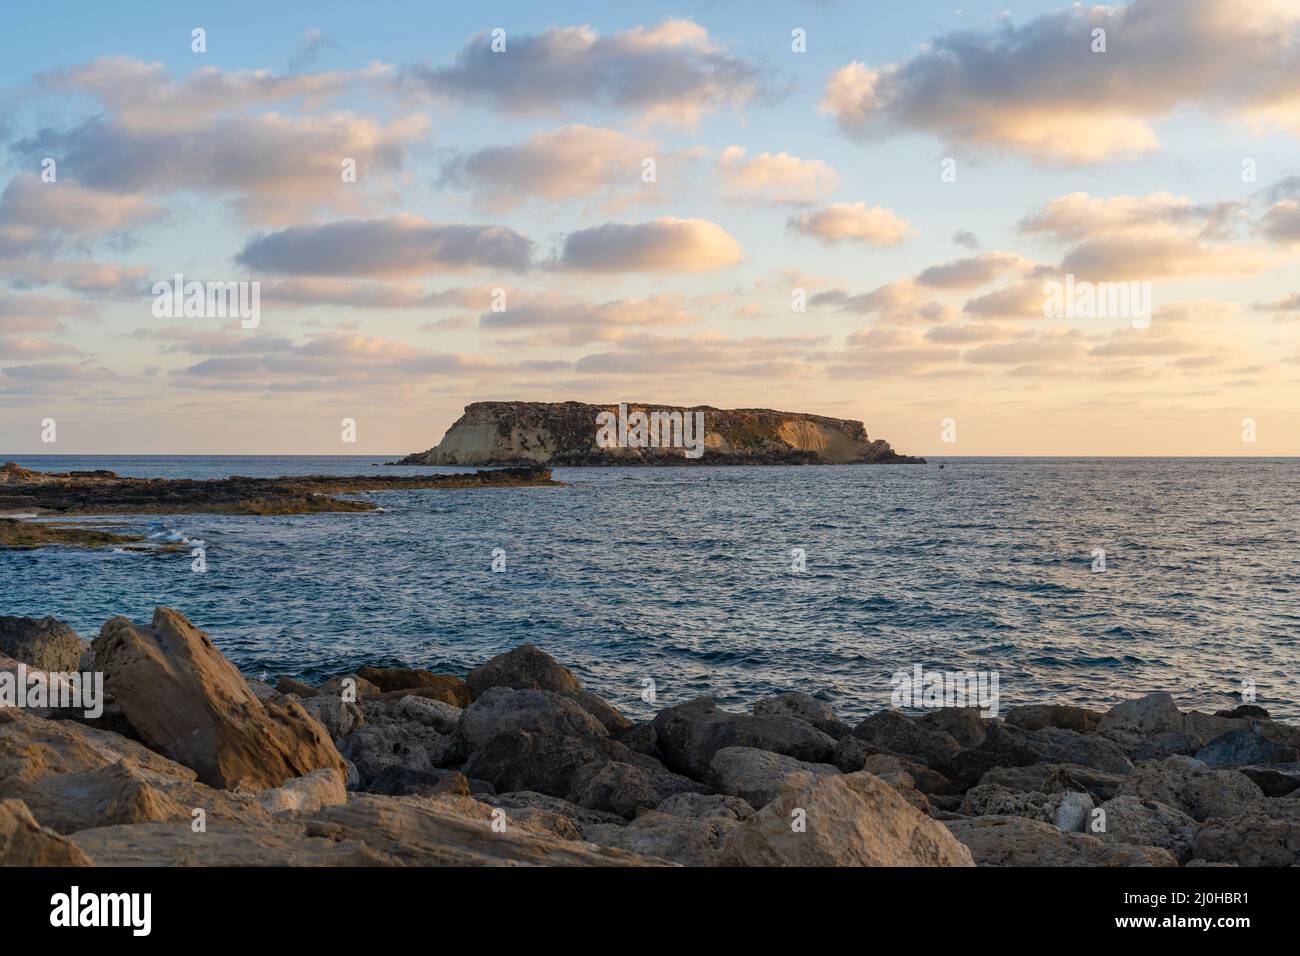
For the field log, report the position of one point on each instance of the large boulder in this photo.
(444, 687)
(337, 716)
(689, 829)
(892, 731)
(320, 788)
(1243, 747)
(528, 668)
(690, 734)
(756, 775)
(1056, 778)
(965, 725)
(500, 710)
(186, 701)
(1153, 714)
(841, 820)
(1019, 841)
(1192, 787)
(1038, 716)
(24, 842)
(379, 746)
(623, 788)
(806, 708)
(1266, 833)
(44, 643)
(543, 762)
(1065, 809)
(1008, 746)
(1139, 822)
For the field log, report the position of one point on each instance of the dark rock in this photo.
(500, 710)
(528, 668)
(1278, 780)
(287, 685)
(690, 734)
(641, 737)
(1241, 747)
(45, 643)
(400, 781)
(1038, 716)
(1266, 833)
(963, 724)
(622, 788)
(756, 775)
(1192, 787)
(805, 707)
(1243, 711)
(546, 763)
(891, 731)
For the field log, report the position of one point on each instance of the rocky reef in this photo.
(516, 763)
(565, 434)
(106, 493)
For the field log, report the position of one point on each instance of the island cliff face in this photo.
(566, 434)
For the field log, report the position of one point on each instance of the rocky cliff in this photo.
(576, 434)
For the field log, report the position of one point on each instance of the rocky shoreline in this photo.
(34, 493)
(190, 763)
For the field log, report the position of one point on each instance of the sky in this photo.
(851, 209)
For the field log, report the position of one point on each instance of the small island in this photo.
(571, 434)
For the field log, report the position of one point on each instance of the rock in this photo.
(414, 833)
(1153, 714)
(756, 775)
(287, 685)
(889, 768)
(990, 799)
(850, 820)
(320, 788)
(806, 708)
(707, 806)
(400, 782)
(1276, 781)
(347, 683)
(1141, 822)
(1266, 833)
(353, 775)
(892, 731)
(1017, 841)
(1056, 778)
(1160, 746)
(689, 839)
(440, 715)
(118, 793)
(690, 734)
(45, 643)
(1010, 746)
(520, 802)
(338, 717)
(1071, 811)
(528, 668)
(963, 724)
(261, 690)
(1192, 787)
(500, 710)
(851, 753)
(622, 788)
(1205, 727)
(189, 703)
(1244, 710)
(449, 689)
(525, 760)
(1241, 747)
(378, 746)
(641, 738)
(24, 842)
(1039, 716)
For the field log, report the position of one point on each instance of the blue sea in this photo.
(683, 576)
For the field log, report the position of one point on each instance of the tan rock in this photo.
(320, 788)
(1017, 841)
(24, 842)
(188, 702)
(850, 820)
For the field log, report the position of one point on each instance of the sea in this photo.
(1083, 581)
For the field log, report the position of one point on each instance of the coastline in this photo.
(515, 762)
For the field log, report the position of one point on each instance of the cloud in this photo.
(39, 215)
(275, 167)
(350, 293)
(396, 246)
(559, 319)
(146, 95)
(1040, 90)
(661, 245)
(572, 162)
(899, 303)
(76, 275)
(775, 179)
(1290, 303)
(674, 72)
(973, 271)
(1281, 222)
(964, 237)
(844, 222)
